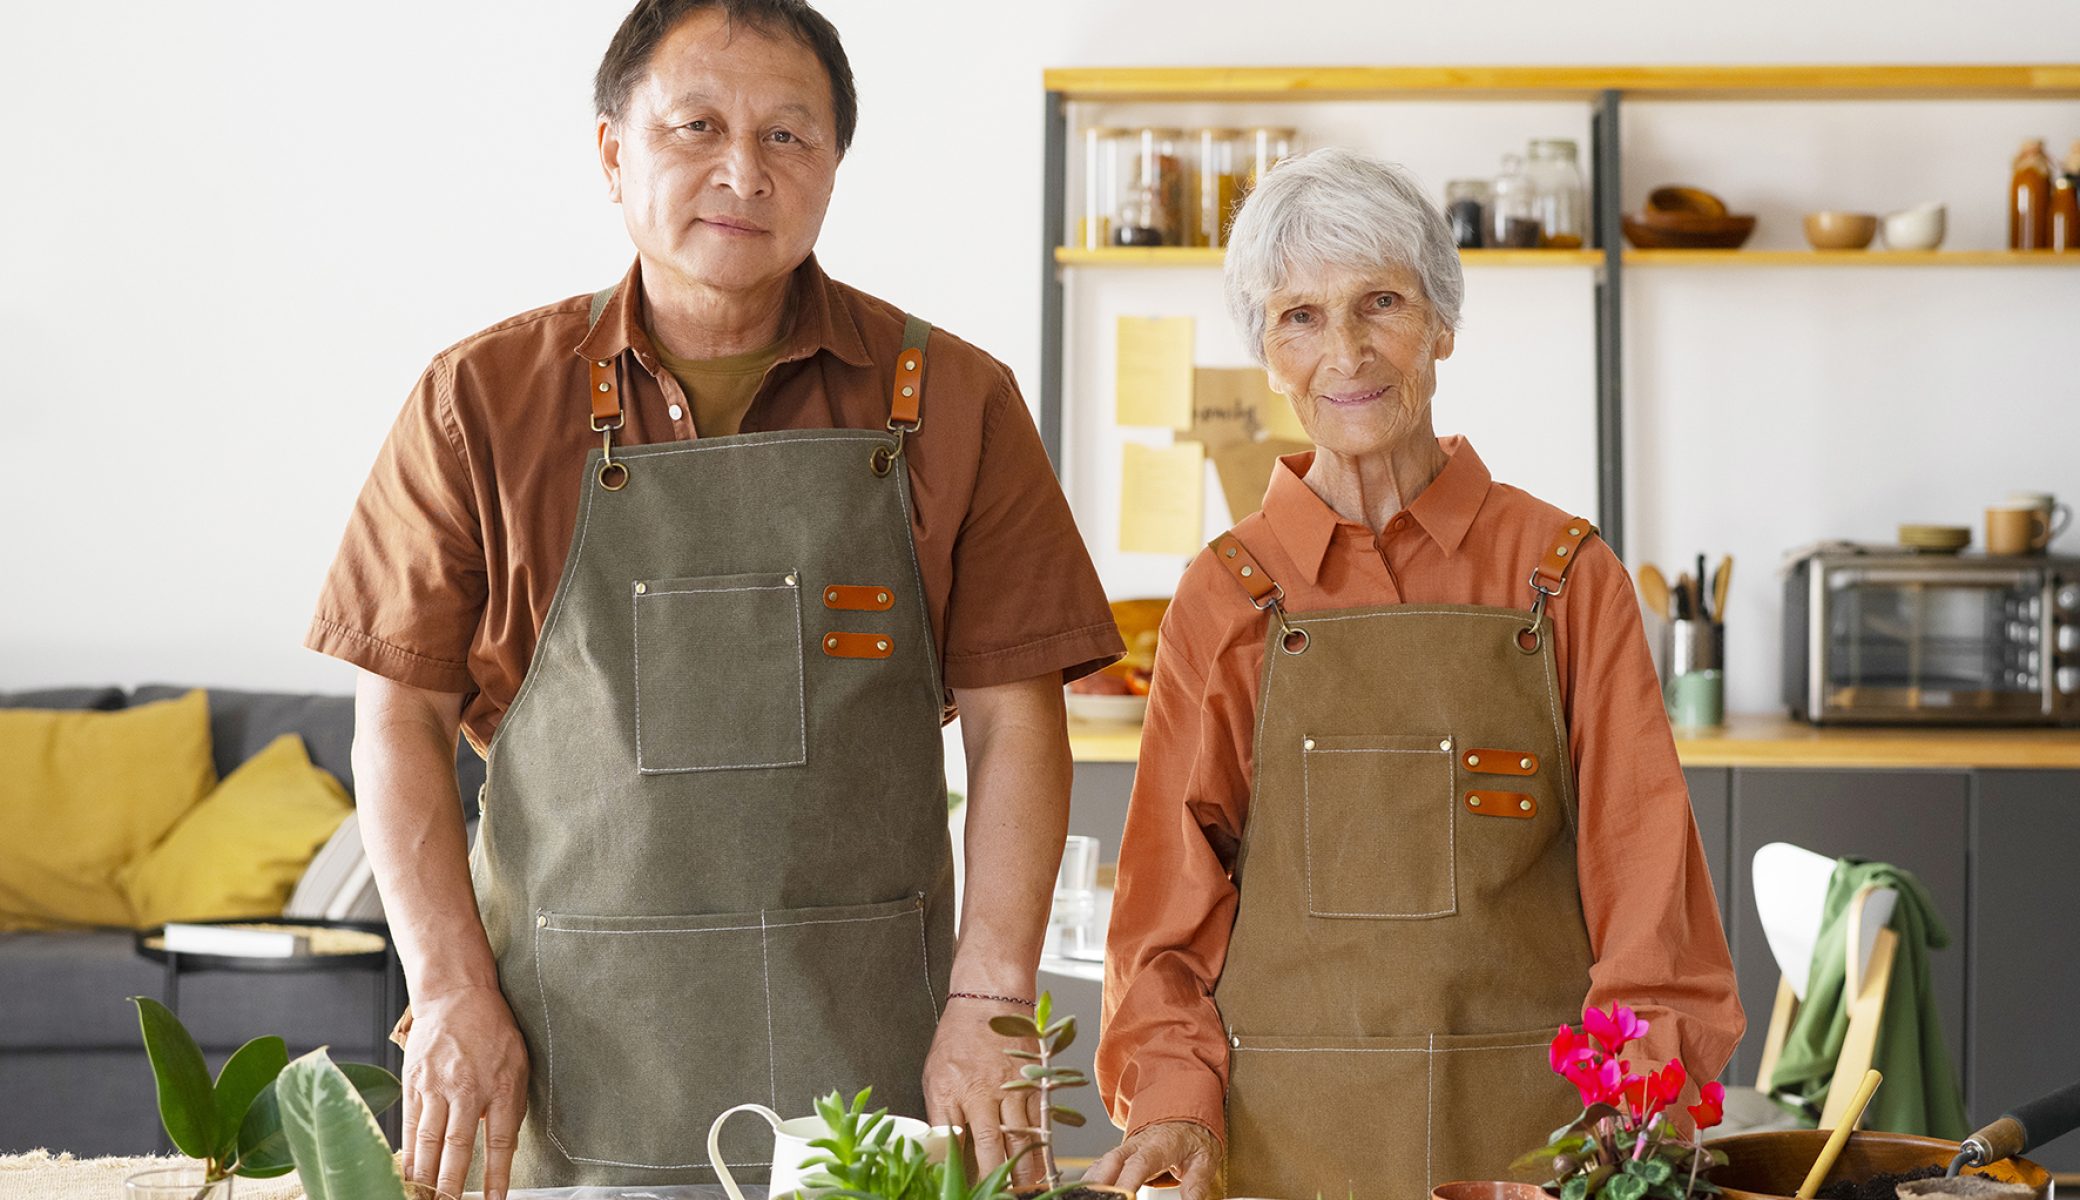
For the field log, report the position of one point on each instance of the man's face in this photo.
(725, 154)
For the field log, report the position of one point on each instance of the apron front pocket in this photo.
(1320, 1117)
(853, 1004)
(1380, 826)
(718, 673)
(1494, 1097)
(650, 1027)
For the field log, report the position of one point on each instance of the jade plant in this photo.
(863, 1158)
(1622, 1146)
(239, 1124)
(1040, 1074)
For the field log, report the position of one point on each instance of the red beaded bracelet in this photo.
(981, 996)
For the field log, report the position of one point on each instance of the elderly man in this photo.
(700, 563)
(1407, 798)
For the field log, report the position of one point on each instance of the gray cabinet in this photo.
(1711, 803)
(2024, 945)
(1912, 819)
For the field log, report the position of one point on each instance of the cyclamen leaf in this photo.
(1624, 1187)
(1576, 1188)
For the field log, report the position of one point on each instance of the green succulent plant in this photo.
(862, 1158)
(1039, 1074)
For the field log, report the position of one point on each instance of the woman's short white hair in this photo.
(1337, 207)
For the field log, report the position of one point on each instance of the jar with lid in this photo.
(2029, 199)
(1556, 189)
(1101, 152)
(1269, 146)
(1466, 207)
(1152, 190)
(1219, 187)
(1513, 208)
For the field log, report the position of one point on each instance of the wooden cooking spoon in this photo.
(1653, 586)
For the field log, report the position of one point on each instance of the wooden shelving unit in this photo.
(1605, 89)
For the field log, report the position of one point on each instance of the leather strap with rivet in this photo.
(1502, 804)
(906, 394)
(1561, 552)
(1485, 761)
(858, 645)
(1264, 591)
(603, 390)
(858, 598)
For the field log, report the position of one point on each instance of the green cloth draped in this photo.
(1920, 1094)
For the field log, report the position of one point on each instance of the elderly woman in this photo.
(1407, 797)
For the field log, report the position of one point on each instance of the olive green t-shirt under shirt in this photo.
(720, 389)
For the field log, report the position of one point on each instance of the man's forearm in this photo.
(412, 828)
(1018, 813)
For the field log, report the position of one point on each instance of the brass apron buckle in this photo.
(883, 459)
(1292, 639)
(1530, 637)
(613, 476)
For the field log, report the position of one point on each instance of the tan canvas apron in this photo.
(1409, 932)
(713, 862)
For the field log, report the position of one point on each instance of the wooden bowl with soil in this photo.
(1770, 1166)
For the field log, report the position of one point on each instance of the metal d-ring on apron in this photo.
(1409, 931)
(713, 863)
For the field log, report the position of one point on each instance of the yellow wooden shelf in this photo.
(1202, 256)
(1764, 741)
(1116, 84)
(1849, 258)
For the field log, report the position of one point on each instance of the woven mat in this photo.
(41, 1175)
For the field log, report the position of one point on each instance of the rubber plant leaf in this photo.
(187, 1102)
(244, 1076)
(340, 1151)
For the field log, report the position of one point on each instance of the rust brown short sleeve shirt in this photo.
(455, 548)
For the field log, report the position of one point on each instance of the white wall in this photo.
(232, 232)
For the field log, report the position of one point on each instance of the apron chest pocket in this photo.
(718, 673)
(1381, 826)
(651, 1026)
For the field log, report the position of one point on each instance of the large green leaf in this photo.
(187, 1103)
(263, 1150)
(245, 1075)
(340, 1152)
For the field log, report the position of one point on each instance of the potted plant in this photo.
(1040, 1074)
(862, 1158)
(234, 1125)
(1622, 1146)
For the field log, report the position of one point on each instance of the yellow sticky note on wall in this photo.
(1153, 380)
(1162, 498)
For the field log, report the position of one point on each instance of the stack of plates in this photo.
(1935, 539)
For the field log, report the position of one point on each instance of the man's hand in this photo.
(464, 1064)
(964, 1079)
(1186, 1149)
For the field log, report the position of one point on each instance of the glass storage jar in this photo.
(1269, 146)
(1513, 208)
(1557, 194)
(1219, 187)
(1101, 151)
(1152, 190)
(1466, 207)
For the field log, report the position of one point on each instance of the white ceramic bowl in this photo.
(1916, 228)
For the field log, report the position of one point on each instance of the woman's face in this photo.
(1355, 349)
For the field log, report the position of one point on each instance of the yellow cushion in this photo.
(83, 793)
(240, 852)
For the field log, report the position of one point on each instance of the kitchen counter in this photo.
(1764, 741)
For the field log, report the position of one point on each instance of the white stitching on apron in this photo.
(924, 947)
(763, 924)
(1451, 787)
(765, 974)
(1430, 1113)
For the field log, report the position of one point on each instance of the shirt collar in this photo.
(1445, 510)
(822, 321)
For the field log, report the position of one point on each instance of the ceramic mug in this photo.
(1697, 699)
(2057, 516)
(2018, 528)
(791, 1138)
(1916, 228)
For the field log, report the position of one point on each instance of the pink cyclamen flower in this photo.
(1668, 1082)
(1568, 1048)
(1615, 1028)
(1711, 1109)
(1598, 1080)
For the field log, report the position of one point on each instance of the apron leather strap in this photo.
(1561, 552)
(908, 394)
(1229, 552)
(605, 394)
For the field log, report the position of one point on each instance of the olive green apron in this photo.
(1409, 931)
(713, 862)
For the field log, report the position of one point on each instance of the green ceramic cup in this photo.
(1697, 699)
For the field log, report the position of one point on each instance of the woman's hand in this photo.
(1186, 1149)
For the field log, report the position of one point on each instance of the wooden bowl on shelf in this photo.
(1675, 198)
(1840, 230)
(1687, 231)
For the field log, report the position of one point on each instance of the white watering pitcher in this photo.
(791, 1138)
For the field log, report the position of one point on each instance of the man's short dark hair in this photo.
(628, 55)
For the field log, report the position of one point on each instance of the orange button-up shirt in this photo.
(1646, 893)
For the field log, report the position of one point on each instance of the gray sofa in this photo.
(72, 1074)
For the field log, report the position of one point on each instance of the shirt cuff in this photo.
(379, 657)
(1183, 1094)
(1074, 652)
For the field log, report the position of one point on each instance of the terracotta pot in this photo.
(1488, 1189)
(1770, 1166)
